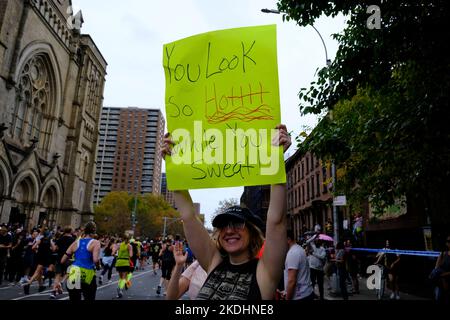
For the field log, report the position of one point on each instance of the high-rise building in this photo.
(52, 80)
(168, 195)
(129, 156)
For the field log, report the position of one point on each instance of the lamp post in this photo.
(333, 167)
(166, 225)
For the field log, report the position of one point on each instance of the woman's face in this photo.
(234, 238)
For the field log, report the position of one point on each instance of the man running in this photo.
(167, 264)
(61, 246)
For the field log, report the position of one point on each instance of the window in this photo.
(307, 165)
(318, 184)
(289, 200)
(298, 172)
(303, 169)
(324, 177)
(303, 193)
(295, 201)
(312, 188)
(307, 189)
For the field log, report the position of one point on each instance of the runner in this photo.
(168, 262)
(61, 246)
(43, 261)
(123, 264)
(135, 246)
(82, 272)
(155, 255)
(108, 259)
(29, 256)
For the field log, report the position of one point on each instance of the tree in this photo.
(225, 204)
(384, 102)
(113, 214)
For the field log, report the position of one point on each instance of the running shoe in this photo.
(53, 295)
(158, 291)
(119, 293)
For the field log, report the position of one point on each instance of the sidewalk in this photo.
(364, 293)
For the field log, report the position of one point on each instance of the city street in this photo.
(145, 284)
(143, 288)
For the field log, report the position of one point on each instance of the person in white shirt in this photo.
(316, 259)
(190, 281)
(297, 279)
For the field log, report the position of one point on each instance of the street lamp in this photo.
(333, 167)
(166, 225)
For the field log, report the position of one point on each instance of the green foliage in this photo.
(113, 215)
(388, 103)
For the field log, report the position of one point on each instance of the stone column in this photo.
(5, 210)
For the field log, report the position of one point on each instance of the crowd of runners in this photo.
(77, 256)
(76, 261)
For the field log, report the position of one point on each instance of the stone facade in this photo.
(52, 80)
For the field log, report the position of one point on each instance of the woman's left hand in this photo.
(282, 138)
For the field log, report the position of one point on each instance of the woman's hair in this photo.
(126, 237)
(256, 240)
(68, 229)
(90, 228)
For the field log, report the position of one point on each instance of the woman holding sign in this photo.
(234, 271)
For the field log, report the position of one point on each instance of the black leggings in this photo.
(317, 277)
(88, 291)
(107, 268)
(342, 273)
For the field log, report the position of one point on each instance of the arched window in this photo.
(35, 99)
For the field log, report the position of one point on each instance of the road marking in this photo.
(43, 293)
(114, 282)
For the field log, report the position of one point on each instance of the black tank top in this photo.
(231, 282)
(44, 248)
(108, 251)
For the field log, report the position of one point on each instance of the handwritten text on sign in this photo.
(222, 105)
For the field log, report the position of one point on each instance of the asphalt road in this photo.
(144, 285)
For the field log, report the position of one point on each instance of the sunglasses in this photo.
(234, 225)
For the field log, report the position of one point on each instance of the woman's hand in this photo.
(282, 138)
(180, 258)
(167, 146)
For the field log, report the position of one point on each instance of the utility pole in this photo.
(166, 225)
(336, 223)
(164, 231)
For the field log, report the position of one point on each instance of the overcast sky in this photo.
(131, 34)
